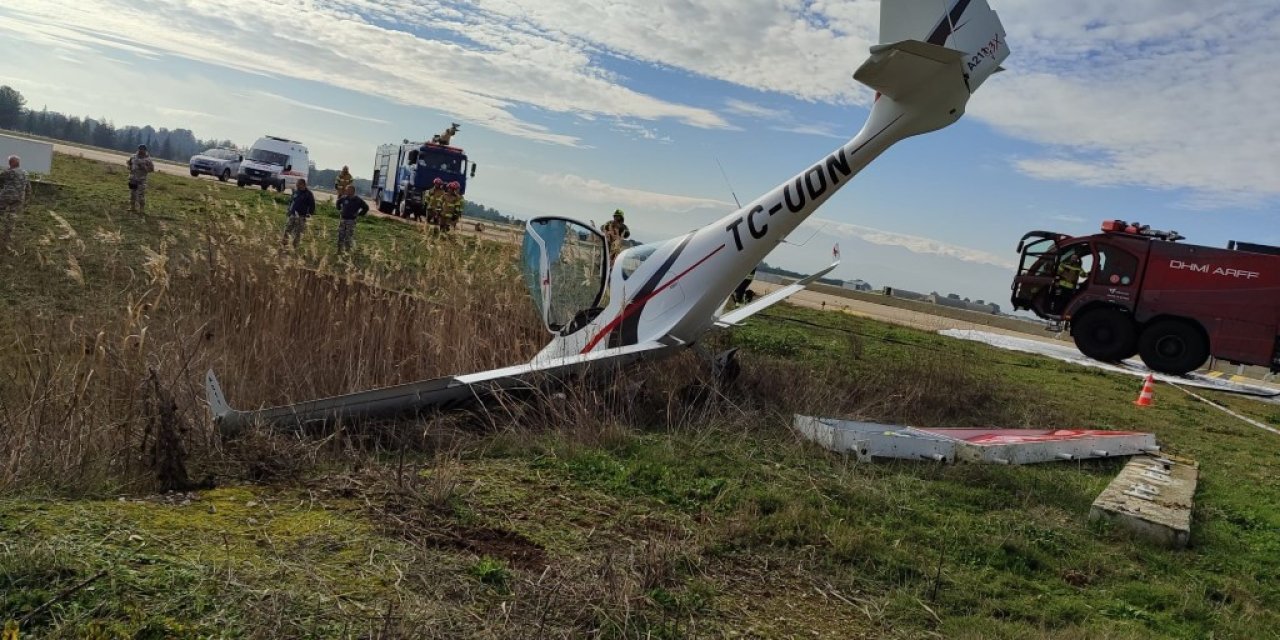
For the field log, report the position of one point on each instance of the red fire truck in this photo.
(1132, 290)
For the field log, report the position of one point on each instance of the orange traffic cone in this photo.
(1148, 390)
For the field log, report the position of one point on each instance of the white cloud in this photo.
(1150, 93)
(912, 243)
(1145, 93)
(598, 192)
(753, 110)
(189, 114)
(814, 129)
(315, 107)
(482, 81)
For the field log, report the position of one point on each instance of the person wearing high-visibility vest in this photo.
(434, 201)
(1069, 273)
(451, 206)
(343, 181)
(1066, 281)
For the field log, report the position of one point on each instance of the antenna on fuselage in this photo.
(728, 184)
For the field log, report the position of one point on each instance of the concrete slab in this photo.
(1152, 498)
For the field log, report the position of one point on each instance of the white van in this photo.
(274, 162)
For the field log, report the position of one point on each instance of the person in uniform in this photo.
(455, 203)
(1068, 278)
(301, 208)
(343, 181)
(350, 207)
(15, 189)
(140, 166)
(616, 232)
(434, 201)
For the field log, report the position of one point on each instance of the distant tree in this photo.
(30, 120)
(11, 104)
(166, 148)
(71, 130)
(104, 135)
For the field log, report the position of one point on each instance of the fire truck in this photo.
(403, 172)
(1133, 290)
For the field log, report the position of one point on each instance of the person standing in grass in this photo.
(15, 188)
(301, 208)
(140, 166)
(350, 207)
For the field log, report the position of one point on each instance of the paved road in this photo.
(904, 317)
(163, 166)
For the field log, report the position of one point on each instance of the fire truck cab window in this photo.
(1115, 267)
(1085, 255)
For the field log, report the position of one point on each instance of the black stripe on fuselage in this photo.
(629, 333)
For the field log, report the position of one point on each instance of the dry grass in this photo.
(79, 392)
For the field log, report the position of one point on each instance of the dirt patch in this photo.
(517, 550)
(434, 523)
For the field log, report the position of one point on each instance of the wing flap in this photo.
(735, 317)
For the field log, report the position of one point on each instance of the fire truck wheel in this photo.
(1105, 334)
(1173, 347)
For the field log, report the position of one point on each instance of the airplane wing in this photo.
(415, 397)
(735, 317)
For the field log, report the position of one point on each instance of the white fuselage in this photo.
(679, 287)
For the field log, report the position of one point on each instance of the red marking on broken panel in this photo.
(1023, 436)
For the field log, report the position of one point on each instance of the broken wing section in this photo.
(735, 317)
(416, 397)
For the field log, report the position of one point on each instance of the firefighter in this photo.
(1068, 278)
(434, 201)
(451, 211)
(1069, 272)
(616, 232)
(343, 181)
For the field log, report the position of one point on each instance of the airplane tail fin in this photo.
(213, 394)
(933, 54)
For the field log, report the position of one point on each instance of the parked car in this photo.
(220, 163)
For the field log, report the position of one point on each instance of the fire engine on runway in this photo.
(1133, 290)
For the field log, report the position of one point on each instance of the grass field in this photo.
(628, 511)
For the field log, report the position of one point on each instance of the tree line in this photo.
(169, 144)
(176, 144)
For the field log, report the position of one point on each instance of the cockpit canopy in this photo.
(565, 265)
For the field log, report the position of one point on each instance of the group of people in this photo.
(303, 205)
(444, 204)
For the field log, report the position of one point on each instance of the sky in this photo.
(1160, 111)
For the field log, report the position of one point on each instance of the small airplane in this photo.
(651, 300)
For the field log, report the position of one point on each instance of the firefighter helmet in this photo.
(454, 186)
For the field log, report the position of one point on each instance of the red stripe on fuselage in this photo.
(635, 305)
